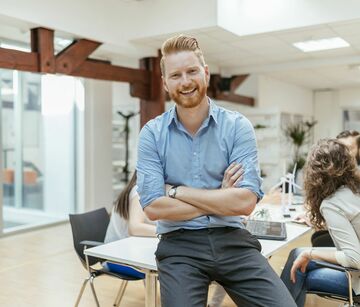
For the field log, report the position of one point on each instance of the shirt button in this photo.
(194, 153)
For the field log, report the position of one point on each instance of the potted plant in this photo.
(299, 134)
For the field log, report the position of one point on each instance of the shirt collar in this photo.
(213, 113)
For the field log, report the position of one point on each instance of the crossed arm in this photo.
(191, 203)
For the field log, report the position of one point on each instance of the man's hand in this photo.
(232, 176)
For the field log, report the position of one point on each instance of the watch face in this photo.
(172, 192)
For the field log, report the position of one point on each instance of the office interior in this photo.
(63, 138)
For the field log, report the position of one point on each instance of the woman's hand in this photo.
(301, 262)
(232, 176)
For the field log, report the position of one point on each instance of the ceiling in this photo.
(271, 54)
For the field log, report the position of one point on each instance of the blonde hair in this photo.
(177, 44)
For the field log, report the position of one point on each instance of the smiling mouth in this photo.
(188, 93)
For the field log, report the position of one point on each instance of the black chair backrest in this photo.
(89, 226)
(321, 238)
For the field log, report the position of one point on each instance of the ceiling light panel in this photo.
(322, 44)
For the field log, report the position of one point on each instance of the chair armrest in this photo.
(333, 266)
(91, 243)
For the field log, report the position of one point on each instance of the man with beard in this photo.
(182, 157)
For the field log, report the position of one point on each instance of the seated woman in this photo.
(332, 191)
(128, 219)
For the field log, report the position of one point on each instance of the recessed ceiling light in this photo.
(322, 44)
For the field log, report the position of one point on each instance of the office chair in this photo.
(88, 230)
(350, 299)
(321, 238)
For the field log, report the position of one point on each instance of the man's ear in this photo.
(207, 74)
(164, 84)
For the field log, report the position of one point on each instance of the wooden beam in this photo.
(103, 71)
(140, 90)
(74, 61)
(18, 60)
(237, 81)
(215, 92)
(248, 101)
(155, 105)
(74, 55)
(42, 42)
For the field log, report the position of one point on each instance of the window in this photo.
(38, 147)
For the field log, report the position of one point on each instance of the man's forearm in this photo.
(226, 202)
(166, 208)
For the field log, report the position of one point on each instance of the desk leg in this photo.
(151, 293)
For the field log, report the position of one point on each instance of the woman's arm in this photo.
(344, 236)
(138, 223)
(301, 262)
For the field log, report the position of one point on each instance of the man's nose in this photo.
(185, 80)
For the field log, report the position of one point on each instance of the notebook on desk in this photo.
(267, 229)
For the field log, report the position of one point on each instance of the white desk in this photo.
(139, 253)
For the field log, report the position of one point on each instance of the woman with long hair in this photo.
(127, 217)
(332, 197)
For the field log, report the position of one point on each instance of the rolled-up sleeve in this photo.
(245, 152)
(150, 174)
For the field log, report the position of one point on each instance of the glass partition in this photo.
(38, 147)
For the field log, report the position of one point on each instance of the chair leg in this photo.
(120, 294)
(351, 300)
(81, 291)
(93, 290)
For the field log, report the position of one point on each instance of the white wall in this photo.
(122, 101)
(286, 97)
(328, 108)
(98, 159)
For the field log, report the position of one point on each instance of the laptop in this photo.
(267, 229)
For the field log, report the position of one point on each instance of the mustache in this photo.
(187, 88)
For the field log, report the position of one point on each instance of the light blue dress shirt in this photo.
(167, 153)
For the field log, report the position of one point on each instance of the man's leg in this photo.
(184, 263)
(182, 284)
(245, 274)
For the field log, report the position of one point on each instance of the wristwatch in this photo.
(172, 191)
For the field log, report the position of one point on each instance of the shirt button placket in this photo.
(196, 160)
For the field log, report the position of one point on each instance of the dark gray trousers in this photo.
(188, 260)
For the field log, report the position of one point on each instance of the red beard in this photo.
(190, 100)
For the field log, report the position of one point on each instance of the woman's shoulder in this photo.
(133, 192)
(344, 198)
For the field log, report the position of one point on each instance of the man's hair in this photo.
(177, 44)
(347, 133)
